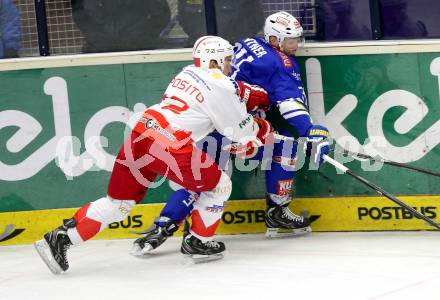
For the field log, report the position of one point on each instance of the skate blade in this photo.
(138, 251)
(43, 250)
(199, 258)
(281, 232)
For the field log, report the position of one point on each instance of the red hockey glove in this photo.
(264, 130)
(256, 98)
(250, 149)
(247, 150)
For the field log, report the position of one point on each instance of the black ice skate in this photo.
(53, 247)
(154, 237)
(281, 222)
(200, 251)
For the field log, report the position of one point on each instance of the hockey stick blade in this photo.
(379, 190)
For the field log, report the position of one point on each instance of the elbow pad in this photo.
(296, 114)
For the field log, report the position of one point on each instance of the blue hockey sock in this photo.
(178, 206)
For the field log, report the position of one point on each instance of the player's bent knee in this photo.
(209, 208)
(224, 186)
(219, 194)
(210, 181)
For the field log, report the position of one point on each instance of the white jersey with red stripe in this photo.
(196, 102)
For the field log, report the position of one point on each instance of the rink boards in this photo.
(53, 109)
(243, 216)
(63, 120)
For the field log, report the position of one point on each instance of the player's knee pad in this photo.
(219, 194)
(208, 209)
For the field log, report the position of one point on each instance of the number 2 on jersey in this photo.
(174, 104)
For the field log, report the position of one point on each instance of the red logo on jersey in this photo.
(285, 59)
(284, 187)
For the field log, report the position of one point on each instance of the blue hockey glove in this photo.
(317, 144)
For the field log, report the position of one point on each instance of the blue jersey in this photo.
(257, 62)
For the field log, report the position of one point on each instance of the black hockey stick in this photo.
(379, 190)
(389, 162)
(375, 187)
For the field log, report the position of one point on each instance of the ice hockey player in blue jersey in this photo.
(269, 63)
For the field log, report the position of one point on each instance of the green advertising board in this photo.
(391, 99)
(379, 103)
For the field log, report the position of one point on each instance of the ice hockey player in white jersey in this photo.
(269, 80)
(200, 99)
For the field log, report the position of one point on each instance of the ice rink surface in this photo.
(385, 265)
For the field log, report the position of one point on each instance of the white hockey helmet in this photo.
(209, 48)
(283, 25)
